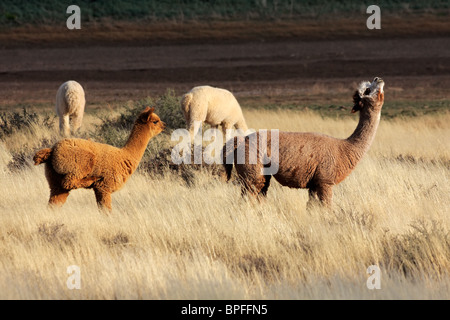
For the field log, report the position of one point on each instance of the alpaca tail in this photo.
(228, 169)
(42, 156)
(186, 103)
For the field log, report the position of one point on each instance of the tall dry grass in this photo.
(168, 240)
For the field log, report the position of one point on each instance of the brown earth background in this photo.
(279, 62)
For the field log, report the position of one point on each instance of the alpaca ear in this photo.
(357, 103)
(148, 113)
(357, 107)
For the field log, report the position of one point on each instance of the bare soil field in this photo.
(296, 62)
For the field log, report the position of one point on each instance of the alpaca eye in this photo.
(155, 122)
(367, 91)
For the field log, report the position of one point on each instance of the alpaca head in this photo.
(369, 95)
(150, 120)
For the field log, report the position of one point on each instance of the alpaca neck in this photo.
(137, 142)
(242, 125)
(362, 137)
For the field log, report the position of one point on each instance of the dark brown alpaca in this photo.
(78, 163)
(312, 160)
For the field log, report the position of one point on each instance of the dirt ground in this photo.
(291, 68)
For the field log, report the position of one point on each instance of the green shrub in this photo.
(167, 107)
(18, 12)
(116, 131)
(11, 123)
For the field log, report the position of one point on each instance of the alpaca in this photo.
(78, 163)
(311, 160)
(214, 106)
(70, 102)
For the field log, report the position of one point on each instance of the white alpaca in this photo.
(70, 102)
(214, 106)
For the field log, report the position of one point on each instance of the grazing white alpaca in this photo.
(214, 106)
(70, 102)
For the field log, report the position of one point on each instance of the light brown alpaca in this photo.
(79, 163)
(312, 160)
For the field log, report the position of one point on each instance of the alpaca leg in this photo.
(194, 128)
(225, 128)
(103, 199)
(58, 194)
(244, 190)
(70, 182)
(247, 188)
(252, 194)
(262, 194)
(76, 122)
(187, 118)
(64, 125)
(58, 197)
(214, 129)
(313, 199)
(255, 188)
(87, 182)
(325, 194)
(264, 189)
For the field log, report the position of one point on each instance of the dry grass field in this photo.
(182, 232)
(169, 240)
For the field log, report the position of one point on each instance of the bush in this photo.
(11, 123)
(27, 124)
(167, 107)
(116, 131)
